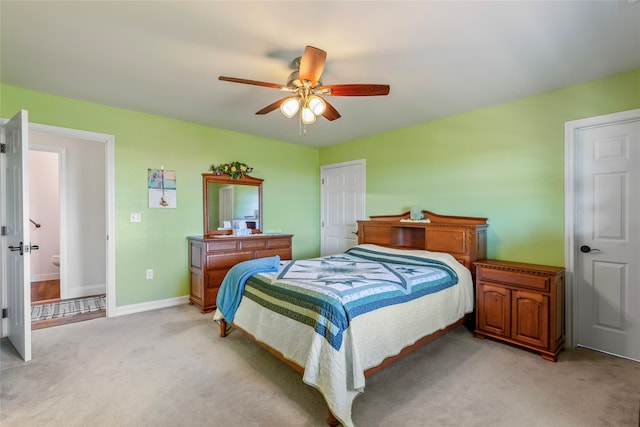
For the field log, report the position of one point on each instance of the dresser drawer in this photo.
(279, 242)
(221, 245)
(215, 277)
(252, 244)
(284, 254)
(227, 260)
(521, 280)
(210, 295)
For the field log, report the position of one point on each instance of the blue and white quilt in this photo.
(338, 316)
(327, 293)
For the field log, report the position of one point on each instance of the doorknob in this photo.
(586, 249)
(16, 248)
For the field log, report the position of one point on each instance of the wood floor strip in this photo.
(41, 324)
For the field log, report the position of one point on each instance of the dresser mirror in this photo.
(231, 203)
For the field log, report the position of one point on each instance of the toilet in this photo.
(55, 259)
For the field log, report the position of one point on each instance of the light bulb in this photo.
(290, 107)
(307, 116)
(317, 105)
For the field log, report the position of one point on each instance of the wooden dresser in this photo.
(465, 238)
(522, 304)
(210, 258)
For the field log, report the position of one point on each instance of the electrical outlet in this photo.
(135, 217)
(149, 273)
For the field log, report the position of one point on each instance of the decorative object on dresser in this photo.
(522, 304)
(464, 237)
(288, 321)
(235, 170)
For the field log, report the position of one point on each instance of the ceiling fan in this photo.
(306, 89)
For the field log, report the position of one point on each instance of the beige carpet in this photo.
(169, 368)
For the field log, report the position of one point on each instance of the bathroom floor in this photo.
(45, 290)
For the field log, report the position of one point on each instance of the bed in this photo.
(339, 319)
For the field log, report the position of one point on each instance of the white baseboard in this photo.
(44, 277)
(151, 305)
(85, 291)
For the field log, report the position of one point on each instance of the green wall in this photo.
(143, 141)
(504, 162)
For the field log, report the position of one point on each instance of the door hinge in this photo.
(3, 148)
(5, 313)
(322, 181)
(3, 230)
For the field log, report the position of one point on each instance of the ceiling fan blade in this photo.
(250, 82)
(312, 64)
(355, 90)
(273, 106)
(330, 113)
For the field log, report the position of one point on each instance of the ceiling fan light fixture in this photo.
(317, 105)
(307, 116)
(290, 107)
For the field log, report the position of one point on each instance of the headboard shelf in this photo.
(464, 237)
(407, 237)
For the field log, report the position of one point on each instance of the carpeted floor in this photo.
(169, 367)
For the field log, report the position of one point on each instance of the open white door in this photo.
(17, 238)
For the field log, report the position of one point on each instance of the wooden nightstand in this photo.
(522, 304)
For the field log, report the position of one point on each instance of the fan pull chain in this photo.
(302, 127)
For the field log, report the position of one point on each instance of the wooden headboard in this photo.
(464, 237)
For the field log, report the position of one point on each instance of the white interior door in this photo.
(342, 198)
(608, 238)
(226, 196)
(18, 244)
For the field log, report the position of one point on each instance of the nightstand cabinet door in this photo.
(494, 309)
(522, 304)
(530, 318)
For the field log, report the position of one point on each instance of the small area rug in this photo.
(68, 307)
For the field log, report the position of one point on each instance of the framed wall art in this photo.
(162, 188)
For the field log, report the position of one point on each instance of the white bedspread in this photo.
(370, 338)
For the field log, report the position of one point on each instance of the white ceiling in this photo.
(440, 58)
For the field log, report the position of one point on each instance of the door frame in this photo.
(571, 130)
(109, 141)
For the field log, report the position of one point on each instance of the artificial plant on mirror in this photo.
(235, 170)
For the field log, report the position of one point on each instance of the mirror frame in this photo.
(226, 179)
